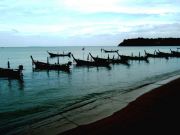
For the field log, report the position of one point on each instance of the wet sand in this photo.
(154, 112)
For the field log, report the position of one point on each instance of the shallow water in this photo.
(65, 100)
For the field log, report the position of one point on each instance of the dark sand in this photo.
(156, 112)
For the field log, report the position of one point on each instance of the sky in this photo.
(86, 22)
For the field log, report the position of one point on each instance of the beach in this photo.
(154, 112)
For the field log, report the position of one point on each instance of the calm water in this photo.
(56, 101)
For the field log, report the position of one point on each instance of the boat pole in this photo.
(58, 60)
(88, 57)
(155, 52)
(47, 60)
(8, 64)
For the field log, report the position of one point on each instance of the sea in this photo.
(51, 102)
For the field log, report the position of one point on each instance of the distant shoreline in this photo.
(150, 42)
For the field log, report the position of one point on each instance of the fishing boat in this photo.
(135, 58)
(99, 60)
(89, 63)
(109, 51)
(110, 60)
(59, 55)
(164, 54)
(12, 73)
(175, 53)
(155, 55)
(118, 61)
(47, 66)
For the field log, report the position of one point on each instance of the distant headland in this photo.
(151, 42)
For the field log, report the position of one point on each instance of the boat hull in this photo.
(10, 73)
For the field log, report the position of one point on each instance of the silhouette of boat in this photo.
(135, 58)
(164, 54)
(110, 51)
(59, 55)
(110, 60)
(99, 60)
(118, 61)
(172, 54)
(175, 53)
(48, 66)
(12, 73)
(90, 63)
(155, 55)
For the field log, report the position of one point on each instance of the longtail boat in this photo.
(136, 58)
(48, 66)
(175, 53)
(155, 55)
(99, 60)
(118, 61)
(165, 54)
(59, 55)
(110, 60)
(12, 73)
(109, 51)
(172, 54)
(89, 63)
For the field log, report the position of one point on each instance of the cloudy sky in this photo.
(85, 22)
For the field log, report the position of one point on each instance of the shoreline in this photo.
(153, 111)
(60, 124)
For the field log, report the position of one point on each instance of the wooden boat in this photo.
(48, 66)
(59, 55)
(119, 61)
(172, 54)
(12, 73)
(164, 54)
(90, 63)
(99, 60)
(110, 60)
(155, 55)
(175, 53)
(136, 58)
(109, 51)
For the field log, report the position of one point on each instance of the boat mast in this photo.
(8, 64)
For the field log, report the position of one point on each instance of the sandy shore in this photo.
(155, 111)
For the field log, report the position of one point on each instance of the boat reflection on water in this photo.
(13, 83)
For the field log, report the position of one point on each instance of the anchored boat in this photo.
(90, 63)
(136, 58)
(47, 66)
(59, 55)
(109, 51)
(12, 73)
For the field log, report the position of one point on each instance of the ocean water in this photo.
(55, 101)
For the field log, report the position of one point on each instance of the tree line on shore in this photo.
(151, 42)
